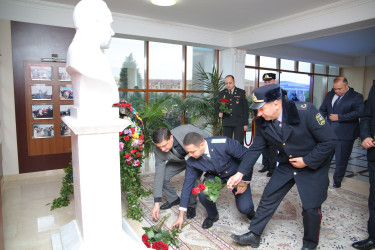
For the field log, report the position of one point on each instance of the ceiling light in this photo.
(164, 2)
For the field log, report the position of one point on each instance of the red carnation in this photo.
(129, 162)
(224, 100)
(120, 133)
(141, 138)
(148, 244)
(144, 238)
(201, 186)
(126, 138)
(138, 154)
(127, 156)
(133, 151)
(132, 129)
(195, 191)
(164, 246)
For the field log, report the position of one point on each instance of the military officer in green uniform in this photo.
(235, 123)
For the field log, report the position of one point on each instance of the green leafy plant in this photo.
(66, 190)
(202, 108)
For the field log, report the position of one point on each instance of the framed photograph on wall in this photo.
(42, 111)
(41, 92)
(63, 75)
(66, 93)
(41, 72)
(64, 130)
(65, 110)
(43, 131)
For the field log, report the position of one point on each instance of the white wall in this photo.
(7, 106)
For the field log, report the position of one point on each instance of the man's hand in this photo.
(221, 114)
(297, 162)
(368, 143)
(334, 117)
(179, 221)
(234, 180)
(241, 188)
(245, 127)
(155, 211)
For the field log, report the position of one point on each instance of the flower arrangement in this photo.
(131, 145)
(211, 188)
(223, 106)
(157, 238)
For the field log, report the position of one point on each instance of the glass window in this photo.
(288, 64)
(320, 86)
(198, 56)
(262, 72)
(250, 60)
(320, 69)
(267, 62)
(250, 82)
(174, 113)
(166, 66)
(330, 83)
(334, 70)
(126, 58)
(137, 99)
(304, 67)
(296, 85)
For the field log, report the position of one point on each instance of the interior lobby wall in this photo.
(7, 107)
(355, 76)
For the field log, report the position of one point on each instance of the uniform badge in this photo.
(218, 140)
(303, 106)
(320, 119)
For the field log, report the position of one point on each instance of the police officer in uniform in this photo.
(305, 142)
(218, 156)
(236, 123)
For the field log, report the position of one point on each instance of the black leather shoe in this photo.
(269, 174)
(249, 238)
(207, 223)
(336, 184)
(169, 205)
(190, 214)
(264, 169)
(364, 244)
(250, 216)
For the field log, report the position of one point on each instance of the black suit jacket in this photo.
(349, 109)
(305, 134)
(239, 106)
(367, 125)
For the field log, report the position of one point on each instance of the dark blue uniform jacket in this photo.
(226, 155)
(305, 134)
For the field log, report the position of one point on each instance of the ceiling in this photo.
(235, 15)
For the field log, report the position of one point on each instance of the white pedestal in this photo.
(96, 174)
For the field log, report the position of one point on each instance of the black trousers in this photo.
(343, 150)
(268, 205)
(236, 133)
(244, 201)
(371, 200)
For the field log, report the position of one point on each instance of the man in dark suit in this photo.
(305, 143)
(343, 107)
(236, 123)
(217, 156)
(367, 132)
(170, 161)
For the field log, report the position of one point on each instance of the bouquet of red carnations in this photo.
(223, 106)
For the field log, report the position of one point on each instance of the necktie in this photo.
(276, 126)
(207, 158)
(174, 151)
(335, 103)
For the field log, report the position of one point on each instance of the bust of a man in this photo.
(88, 66)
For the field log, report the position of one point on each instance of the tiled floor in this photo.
(29, 224)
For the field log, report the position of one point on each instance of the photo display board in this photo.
(49, 97)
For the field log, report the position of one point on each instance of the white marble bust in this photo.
(93, 82)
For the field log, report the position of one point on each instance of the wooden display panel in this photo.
(48, 94)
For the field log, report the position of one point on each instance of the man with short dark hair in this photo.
(305, 143)
(217, 156)
(343, 107)
(170, 161)
(236, 123)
